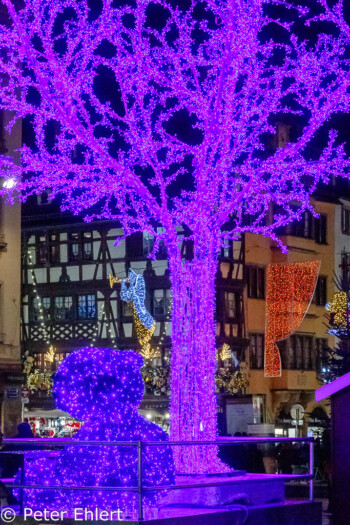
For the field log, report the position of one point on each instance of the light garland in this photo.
(38, 298)
(290, 288)
(37, 379)
(102, 387)
(112, 338)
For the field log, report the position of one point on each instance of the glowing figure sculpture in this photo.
(103, 388)
(290, 288)
(159, 114)
(144, 322)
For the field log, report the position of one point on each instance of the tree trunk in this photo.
(193, 364)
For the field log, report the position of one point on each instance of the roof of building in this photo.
(333, 387)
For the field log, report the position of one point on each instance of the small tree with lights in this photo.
(157, 113)
(335, 361)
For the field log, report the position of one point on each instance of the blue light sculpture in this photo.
(102, 387)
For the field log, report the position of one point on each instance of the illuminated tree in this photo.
(158, 113)
(335, 361)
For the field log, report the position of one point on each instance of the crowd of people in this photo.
(248, 458)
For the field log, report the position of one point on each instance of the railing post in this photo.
(139, 468)
(311, 486)
(23, 482)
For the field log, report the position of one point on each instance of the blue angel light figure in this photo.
(136, 293)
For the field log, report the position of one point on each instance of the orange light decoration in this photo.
(290, 288)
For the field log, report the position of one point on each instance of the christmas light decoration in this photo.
(226, 352)
(144, 322)
(290, 288)
(158, 115)
(156, 379)
(338, 308)
(37, 379)
(231, 381)
(50, 354)
(103, 388)
(39, 303)
(150, 353)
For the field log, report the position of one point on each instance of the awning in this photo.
(46, 413)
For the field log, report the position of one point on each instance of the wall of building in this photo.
(294, 386)
(10, 301)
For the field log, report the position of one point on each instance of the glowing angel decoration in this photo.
(144, 322)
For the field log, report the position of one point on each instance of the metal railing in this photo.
(141, 490)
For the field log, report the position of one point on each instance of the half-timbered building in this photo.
(67, 300)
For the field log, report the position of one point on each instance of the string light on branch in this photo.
(131, 151)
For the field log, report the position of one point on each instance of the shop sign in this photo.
(12, 392)
(14, 378)
(261, 428)
(25, 394)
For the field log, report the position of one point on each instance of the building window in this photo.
(231, 305)
(226, 250)
(321, 229)
(42, 253)
(44, 198)
(345, 220)
(310, 227)
(45, 305)
(148, 243)
(54, 248)
(161, 301)
(298, 353)
(308, 356)
(64, 308)
(87, 246)
(87, 307)
(256, 351)
(256, 282)
(304, 227)
(74, 247)
(345, 266)
(134, 245)
(321, 346)
(39, 361)
(80, 246)
(320, 295)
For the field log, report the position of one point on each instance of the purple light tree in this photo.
(157, 113)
